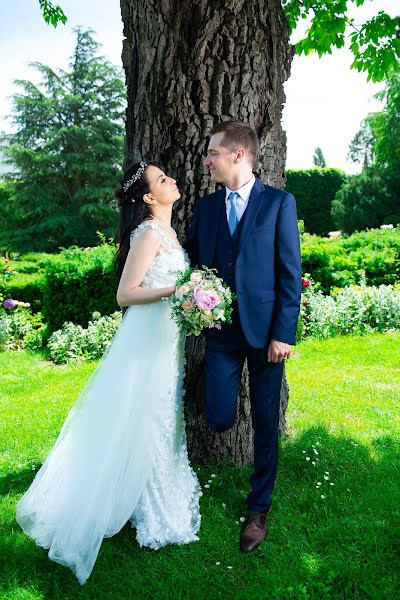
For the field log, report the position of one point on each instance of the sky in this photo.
(325, 100)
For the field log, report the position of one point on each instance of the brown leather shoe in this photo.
(254, 531)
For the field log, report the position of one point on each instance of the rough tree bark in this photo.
(188, 65)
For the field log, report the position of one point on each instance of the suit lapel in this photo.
(213, 224)
(250, 213)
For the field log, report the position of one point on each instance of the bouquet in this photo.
(201, 300)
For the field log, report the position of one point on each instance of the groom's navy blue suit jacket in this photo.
(268, 265)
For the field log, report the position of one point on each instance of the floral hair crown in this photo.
(135, 177)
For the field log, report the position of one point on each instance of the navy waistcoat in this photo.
(225, 257)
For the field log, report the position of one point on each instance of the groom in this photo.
(248, 231)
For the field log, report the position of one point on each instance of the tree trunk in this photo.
(190, 64)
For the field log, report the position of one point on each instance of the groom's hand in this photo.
(277, 351)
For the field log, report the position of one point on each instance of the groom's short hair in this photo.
(237, 133)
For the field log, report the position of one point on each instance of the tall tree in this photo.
(318, 158)
(373, 197)
(361, 146)
(67, 150)
(192, 67)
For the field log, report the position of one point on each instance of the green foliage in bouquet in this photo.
(202, 300)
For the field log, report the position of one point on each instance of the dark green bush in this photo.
(314, 190)
(366, 200)
(82, 282)
(27, 288)
(27, 282)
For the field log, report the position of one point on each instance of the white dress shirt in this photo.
(241, 202)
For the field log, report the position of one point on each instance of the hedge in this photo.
(342, 261)
(82, 282)
(74, 284)
(27, 288)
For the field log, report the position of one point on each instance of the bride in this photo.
(121, 454)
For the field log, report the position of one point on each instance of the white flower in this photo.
(218, 563)
(326, 477)
(33, 468)
(308, 458)
(303, 451)
(184, 289)
(241, 519)
(237, 522)
(213, 475)
(326, 472)
(206, 486)
(209, 480)
(319, 483)
(331, 483)
(323, 497)
(195, 276)
(315, 451)
(313, 463)
(229, 567)
(224, 505)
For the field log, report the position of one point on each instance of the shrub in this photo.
(366, 200)
(73, 343)
(19, 326)
(27, 279)
(28, 288)
(314, 190)
(377, 253)
(341, 262)
(82, 282)
(354, 309)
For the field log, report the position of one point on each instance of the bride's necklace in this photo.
(166, 230)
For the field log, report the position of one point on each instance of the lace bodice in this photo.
(171, 257)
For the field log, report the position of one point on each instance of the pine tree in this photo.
(67, 151)
(318, 158)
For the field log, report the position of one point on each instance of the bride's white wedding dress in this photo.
(121, 454)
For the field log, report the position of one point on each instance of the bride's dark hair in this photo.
(132, 209)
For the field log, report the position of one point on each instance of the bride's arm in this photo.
(138, 261)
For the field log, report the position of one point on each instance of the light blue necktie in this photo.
(233, 218)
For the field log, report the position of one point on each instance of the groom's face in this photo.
(219, 160)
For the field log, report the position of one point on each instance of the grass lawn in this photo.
(326, 541)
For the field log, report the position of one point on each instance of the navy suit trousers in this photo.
(226, 352)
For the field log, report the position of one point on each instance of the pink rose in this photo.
(205, 299)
